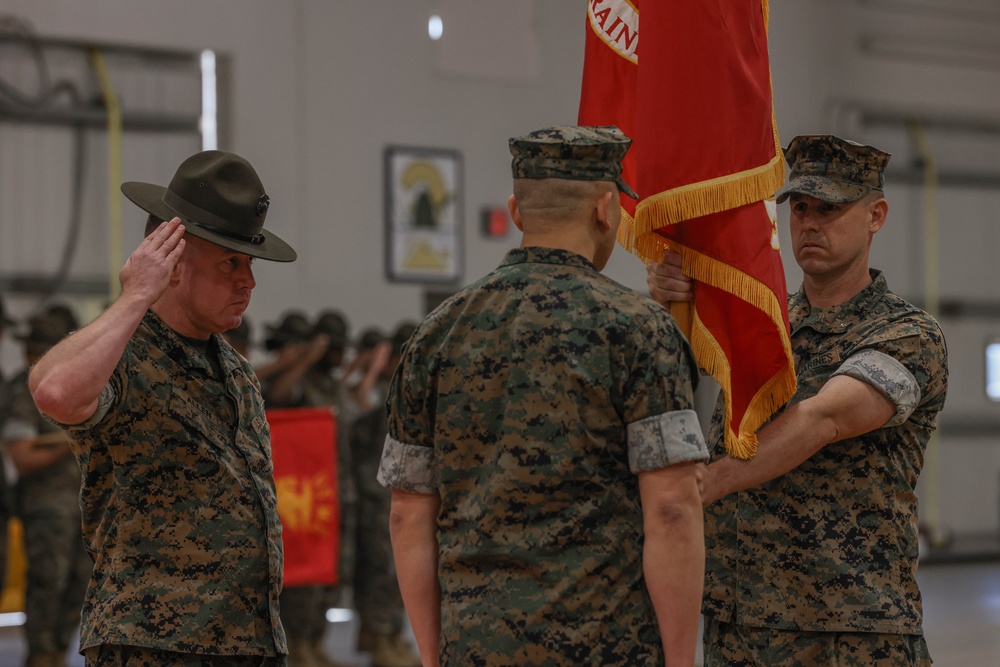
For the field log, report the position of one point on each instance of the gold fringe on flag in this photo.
(700, 199)
(741, 441)
(637, 235)
(626, 234)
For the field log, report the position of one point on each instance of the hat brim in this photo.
(149, 197)
(623, 186)
(828, 190)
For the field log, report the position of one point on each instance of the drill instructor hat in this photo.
(219, 198)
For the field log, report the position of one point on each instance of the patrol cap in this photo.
(370, 339)
(333, 325)
(44, 331)
(293, 328)
(65, 314)
(573, 152)
(832, 169)
(401, 335)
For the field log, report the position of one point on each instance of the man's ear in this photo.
(602, 208)
(515, 212)
(879, 211)
(175, 273)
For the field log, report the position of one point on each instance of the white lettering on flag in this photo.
(616, 22)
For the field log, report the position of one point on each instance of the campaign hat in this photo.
(219, 197)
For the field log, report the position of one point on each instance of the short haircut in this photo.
(557, 199)
(873, 195)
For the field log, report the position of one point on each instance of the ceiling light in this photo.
(435, 27)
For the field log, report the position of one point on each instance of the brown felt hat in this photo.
(219, 197)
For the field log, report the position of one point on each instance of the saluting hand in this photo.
(148, 269)
(665, 280)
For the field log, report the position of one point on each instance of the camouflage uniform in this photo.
(140, 656)
(179, 506)
(303, 608)
(528, 402)
(328, 382)
(376, 591)
(47, 502)
(5, 499)
(831, 546)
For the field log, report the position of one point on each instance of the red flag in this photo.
(706, 156)
(609, 82)
(304, 449)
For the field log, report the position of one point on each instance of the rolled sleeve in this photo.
(408, 468)
(891, 378)
(665, 440)
(104, 403)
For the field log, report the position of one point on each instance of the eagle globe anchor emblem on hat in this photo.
(219, 198)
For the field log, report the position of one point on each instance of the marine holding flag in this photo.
(706, 157)
(813, 561)
(812, 550)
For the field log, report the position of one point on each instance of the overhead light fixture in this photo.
(208, 123)
(435, 27)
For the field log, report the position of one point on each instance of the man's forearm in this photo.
(674, 567)
(784, 445)
(415, 551)
(843, 408)
(673, 557)
(67, 381)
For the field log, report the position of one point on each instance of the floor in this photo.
(961, 620)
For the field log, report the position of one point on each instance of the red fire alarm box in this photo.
(496, 222)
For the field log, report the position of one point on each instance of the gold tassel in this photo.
(741, 442)
(707, 197)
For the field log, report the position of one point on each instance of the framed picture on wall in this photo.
(423, 204)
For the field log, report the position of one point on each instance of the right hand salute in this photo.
(68, 380)
(148, 269)
(666, 281)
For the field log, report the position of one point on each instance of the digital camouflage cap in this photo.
(832, 169)
(573, 152)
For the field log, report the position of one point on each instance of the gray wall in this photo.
(318, 88)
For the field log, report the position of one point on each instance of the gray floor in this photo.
(961, 620)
